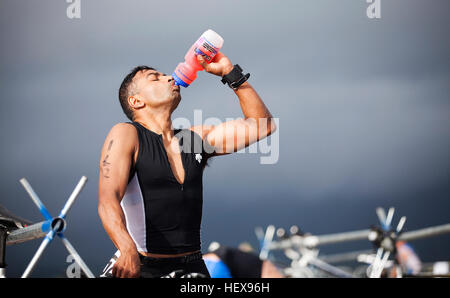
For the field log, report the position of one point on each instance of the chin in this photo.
(177, 97)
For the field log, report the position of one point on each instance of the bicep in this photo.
(234, 135)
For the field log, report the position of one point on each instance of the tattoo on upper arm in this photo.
(105, 164)
(110, 144)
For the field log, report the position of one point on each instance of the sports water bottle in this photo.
(208, 45)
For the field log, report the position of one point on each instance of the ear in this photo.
(135, 102)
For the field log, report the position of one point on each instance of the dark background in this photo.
(363, 107)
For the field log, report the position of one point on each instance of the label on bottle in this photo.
(205, 48)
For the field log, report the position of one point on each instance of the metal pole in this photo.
(270, 231)
(313, 241)
(330, 269)
(424, 233)
(54, 226)
(38, 230)
(76, 256)
(73, 196)
(344, 257)
(40, 250)
(35, 199)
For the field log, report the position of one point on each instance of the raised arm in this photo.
(232, 136)
(116, 159)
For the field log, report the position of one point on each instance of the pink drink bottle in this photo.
(208, 45)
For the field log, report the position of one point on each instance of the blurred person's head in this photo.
(246, 247)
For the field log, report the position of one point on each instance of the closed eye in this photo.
(155, 75)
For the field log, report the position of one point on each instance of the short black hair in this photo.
(125, 90)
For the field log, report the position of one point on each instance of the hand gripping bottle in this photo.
(208, 45)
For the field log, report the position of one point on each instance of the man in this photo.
(242, 262)
(150, 191)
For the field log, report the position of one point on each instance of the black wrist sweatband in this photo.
(235, 78)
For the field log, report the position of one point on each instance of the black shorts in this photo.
(186, 266)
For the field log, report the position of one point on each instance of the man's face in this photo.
(156, 89)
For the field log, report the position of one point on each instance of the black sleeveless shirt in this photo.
(162, 215)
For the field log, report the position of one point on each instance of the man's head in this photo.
(145, 87)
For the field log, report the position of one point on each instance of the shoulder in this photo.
(124, 130)
(124, 134)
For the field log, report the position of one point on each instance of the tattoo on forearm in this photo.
(105, 164)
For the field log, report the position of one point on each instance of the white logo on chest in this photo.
(198, 157)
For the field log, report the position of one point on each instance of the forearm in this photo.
(114, 222)
(251, 104)
(258, 122)
(254, 108)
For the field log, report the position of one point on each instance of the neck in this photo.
(156, 121)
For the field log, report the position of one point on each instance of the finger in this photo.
(218, 56)
(124, 273)
(132, 274)
(137, 273)
(118, 273)
(202, 62)
(121, 273)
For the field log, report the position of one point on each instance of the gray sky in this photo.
(363, 108)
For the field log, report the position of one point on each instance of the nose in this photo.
(169, 77)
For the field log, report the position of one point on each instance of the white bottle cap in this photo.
(213, 38)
